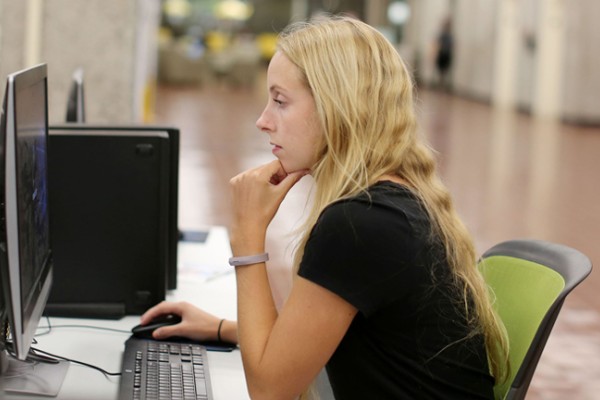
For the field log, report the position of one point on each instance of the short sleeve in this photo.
(364, 252)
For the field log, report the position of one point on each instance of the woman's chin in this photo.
(290, 168)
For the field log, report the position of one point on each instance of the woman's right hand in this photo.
(196, 324)
(257, 195)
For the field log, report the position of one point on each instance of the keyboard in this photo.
(157, 370)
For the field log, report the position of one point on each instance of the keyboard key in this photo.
(155, 370)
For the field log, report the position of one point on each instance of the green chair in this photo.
(530, 280)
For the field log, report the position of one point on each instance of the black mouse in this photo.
(145, 331)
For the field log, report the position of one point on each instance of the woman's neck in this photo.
(393, 178)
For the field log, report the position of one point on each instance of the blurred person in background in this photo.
(444, 53)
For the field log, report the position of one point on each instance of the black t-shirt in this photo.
(409, 339)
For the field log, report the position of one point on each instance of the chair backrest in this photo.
(530, 280)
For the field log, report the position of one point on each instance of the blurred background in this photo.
(534, 55)
(507, 94)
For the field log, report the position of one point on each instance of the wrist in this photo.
(249, 260)
(227, 332)
(219, 328)
(245, 244)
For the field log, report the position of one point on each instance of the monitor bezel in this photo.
(23, 318)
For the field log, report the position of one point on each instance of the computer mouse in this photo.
(145, 331)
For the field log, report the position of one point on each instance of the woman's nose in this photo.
(262, 123)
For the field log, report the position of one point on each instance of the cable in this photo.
(45, 353)
(49, 328)
(41, 356)
(83, 326)
(31, 356)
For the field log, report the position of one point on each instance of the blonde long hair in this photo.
(364, 98)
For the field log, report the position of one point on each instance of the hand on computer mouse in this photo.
(147, 330)
(196, 324)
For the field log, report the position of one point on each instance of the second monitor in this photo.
(113, 203)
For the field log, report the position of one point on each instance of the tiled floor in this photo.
(511, 177)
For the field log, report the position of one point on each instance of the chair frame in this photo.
(572, 265)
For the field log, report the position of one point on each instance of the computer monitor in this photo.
(113, 205)
(25, 253)
(68, 139)
(75, 101)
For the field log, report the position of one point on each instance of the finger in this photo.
(277, 178)
(291, 179)
(275, 165)
(151, 313)
(161, 309)
(275, 172)
(167, 331)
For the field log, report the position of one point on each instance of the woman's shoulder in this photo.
(384, 194)
(381, 203)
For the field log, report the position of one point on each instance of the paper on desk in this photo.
(205, 260)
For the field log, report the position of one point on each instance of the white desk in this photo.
(105, 349)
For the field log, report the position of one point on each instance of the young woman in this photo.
(386, 295)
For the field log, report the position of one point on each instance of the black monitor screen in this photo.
(32, 191)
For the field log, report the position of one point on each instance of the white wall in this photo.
(581, 71)
(113, 40)
(12, 26)
(542, 58)
(475, 33)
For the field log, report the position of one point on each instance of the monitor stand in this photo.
(31, 377)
